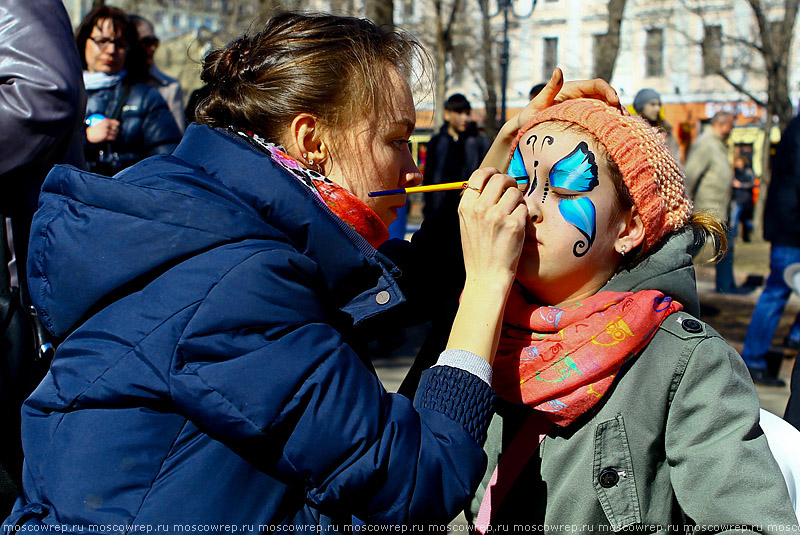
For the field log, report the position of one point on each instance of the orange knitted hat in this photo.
(653, 177)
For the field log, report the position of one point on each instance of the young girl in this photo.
(621, 410)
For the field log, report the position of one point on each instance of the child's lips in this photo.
(531, 242)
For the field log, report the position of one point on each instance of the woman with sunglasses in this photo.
(126, 119)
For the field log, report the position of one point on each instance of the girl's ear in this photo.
(632, 232)
(305, 142)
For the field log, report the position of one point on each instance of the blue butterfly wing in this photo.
(575, 172)
(581, 213)
(517, 167)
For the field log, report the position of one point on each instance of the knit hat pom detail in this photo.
(653, 177)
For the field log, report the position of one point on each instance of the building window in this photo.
(408, 9)
(712, 49)
(654, 52)
(550, 57)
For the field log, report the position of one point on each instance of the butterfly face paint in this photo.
(577, 172)
(574, 173)
(569, 249)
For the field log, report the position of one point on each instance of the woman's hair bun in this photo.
(223, 65)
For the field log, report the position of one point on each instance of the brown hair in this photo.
(135, 59)
(329, 66)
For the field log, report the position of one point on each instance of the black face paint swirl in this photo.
(535, 180)
(577, 172)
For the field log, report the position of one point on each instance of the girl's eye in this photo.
(564, 193)
(402, 143)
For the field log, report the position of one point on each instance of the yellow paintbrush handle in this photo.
(436, 187)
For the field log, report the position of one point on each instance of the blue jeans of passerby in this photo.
(738, 211)
(724, 271)
(769, 308)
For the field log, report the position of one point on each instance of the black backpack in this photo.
(25, 355)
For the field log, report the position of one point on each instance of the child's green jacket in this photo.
(676, 442)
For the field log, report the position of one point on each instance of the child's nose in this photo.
(534, 209)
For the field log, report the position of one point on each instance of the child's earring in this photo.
(623, 249)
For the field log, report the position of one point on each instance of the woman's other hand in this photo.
(554, 92)
(105, 130)
(493, 215)
(557, 91)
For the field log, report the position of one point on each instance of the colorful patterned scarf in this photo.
(561, 361)
(344, 204)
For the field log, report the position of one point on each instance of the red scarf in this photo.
(344, 204)
(353, 211)
(561, 361)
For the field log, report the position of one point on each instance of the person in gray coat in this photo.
(709, 181)
(621, 410)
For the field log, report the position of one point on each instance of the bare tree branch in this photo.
(739, 87)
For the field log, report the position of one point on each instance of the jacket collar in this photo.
(361, 281)
(668, 268)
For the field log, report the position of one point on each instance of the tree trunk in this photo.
(609, 43)
(442, 51)
(380, 12)
(491, 123)
(775, 49)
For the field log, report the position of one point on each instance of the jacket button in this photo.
(691, 326)
(383, 297)
(608, 478)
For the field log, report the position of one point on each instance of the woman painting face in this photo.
(105, 49)
(574, 225)
(374, 154)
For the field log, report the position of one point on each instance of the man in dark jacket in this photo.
(782, 229)
(41, 104)
(453, 154)
(42, 101)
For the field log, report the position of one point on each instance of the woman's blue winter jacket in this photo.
(147, 127)
(211, 375)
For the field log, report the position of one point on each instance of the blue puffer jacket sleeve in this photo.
(311, 414)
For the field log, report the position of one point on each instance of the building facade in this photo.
(673, 46)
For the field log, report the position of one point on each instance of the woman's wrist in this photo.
(509, 130)
(476, 327)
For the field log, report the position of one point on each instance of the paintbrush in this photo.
(432, 187)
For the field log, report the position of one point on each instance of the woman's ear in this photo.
(305, 142)
(632, 232)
